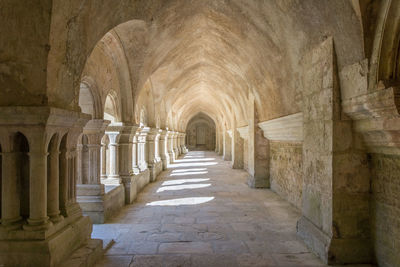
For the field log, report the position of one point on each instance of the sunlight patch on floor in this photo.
(187, 173)
(189, 170)
(181, 187)
(182, 181)
(181, 201)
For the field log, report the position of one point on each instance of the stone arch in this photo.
(112, 110)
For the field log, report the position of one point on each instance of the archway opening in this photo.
(200, 133)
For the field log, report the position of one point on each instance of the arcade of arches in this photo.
(97, 98)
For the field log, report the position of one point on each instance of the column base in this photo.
(37, 225)
(258, 182)
(155, 168)
(12, 224)
(333, 250)
(19, 249)
(171, 157)
(165, 161)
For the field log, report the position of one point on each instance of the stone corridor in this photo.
(201, 213)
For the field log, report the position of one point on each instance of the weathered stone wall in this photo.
(286, 170)
(385, 209)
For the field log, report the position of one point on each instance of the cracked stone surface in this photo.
(219, 221)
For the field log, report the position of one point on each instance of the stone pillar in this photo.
(153, 158)
(164, 148)
(183, 146)
(175, 144)
(171, 152)
(258, 151)
(38, 219)
(53, 186)
(336, 185)
(10, 195)
(237, 150)
(142, 148)
(227, 146)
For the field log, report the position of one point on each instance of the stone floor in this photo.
(201, 213)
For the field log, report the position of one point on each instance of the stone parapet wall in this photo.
(286, 171)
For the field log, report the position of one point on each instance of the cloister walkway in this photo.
(201, 213)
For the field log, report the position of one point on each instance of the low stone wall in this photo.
(286, 170)
(385, 209)
(114, 200)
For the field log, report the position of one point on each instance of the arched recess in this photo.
(63, 175)
(21, 147)
(201, 132)
(112, 110)
(89, 98)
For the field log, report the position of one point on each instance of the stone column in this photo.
(53, 186)
(183, 146)
(227, 146)
(336, 184)
(10, 201)
(142, 149)
(135, 166)
(237, 150)
(258, 151)
(113, 177)
(153, 159)
(103, 162)
(175, 145)
(171, 152)
(38, 219)
(164, 148)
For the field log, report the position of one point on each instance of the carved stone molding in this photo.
(244, 132)
(288, 128)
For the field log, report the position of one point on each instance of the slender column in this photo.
(103, 164)
(113, 148)
(53, 186)
(38, 219)
(94, 159)
(79, 149)
(10, 202)
(135, 166)
(164, 148)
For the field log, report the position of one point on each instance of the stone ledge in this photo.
(287, 128)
